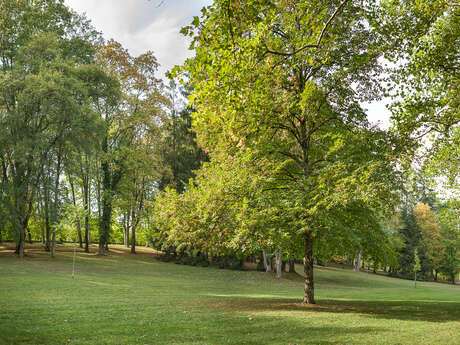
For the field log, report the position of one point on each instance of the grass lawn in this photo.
(125, 299)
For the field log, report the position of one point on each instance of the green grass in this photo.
(124, 299)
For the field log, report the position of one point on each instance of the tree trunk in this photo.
(21, 244)
(452, 278)
(126, 237)
(53, 245)
(47, 220)
(133, 240)
(80, 240)
(358, 262)
(436, 275)
(86, 207)
(126, 228)
(260, 263)
(291, 265)
(309, 291)
(279, 270)
(108, 184)
(267, 263)
(415, 279)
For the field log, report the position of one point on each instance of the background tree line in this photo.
(88, 134)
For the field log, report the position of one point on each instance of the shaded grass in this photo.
(125, 299)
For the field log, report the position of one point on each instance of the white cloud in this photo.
(142, 25)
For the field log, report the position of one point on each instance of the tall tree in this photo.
(283, 80)
(127, 122)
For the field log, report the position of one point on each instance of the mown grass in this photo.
(124, 299)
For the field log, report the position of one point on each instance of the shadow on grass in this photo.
(399, 310)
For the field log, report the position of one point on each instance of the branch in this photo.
(320, 38)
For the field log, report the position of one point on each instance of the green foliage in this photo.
(48, 81)
(273, 89)
(448, 217)
(180, 154)
(417, 266)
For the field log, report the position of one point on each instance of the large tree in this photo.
(130, 129)
(284, 80)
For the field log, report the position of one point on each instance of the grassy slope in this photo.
(122, 299)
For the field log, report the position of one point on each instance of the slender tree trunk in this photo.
(47, 220)
(133, 240)
(279, 271)
(267, 262)
(126, 237)
(358, 262)
(56, 203)
(107, 196)
(436, 275)
(309, 291)
(452, 278)
(126, 228)
(291, 265)
(21, 244)
(86, 207)
(80, 240)
(53, 245)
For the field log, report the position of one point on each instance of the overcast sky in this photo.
(142, 25)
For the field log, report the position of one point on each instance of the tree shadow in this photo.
(435, 311)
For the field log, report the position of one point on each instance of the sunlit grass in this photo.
(124, 299)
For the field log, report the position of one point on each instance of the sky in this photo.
(143, 25)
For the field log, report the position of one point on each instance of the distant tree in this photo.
(180, 153)
(431, 235)
(449, 219)
(412, 237)
(130, 123)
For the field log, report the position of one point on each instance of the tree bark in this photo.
(22, 235)
(80, 240)
(126, 228)
(267, 263)
(358, 262)
(133, 240)
(309, 291)
(47, 220)
(53, 245)
(86, 207)
(278, 264)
